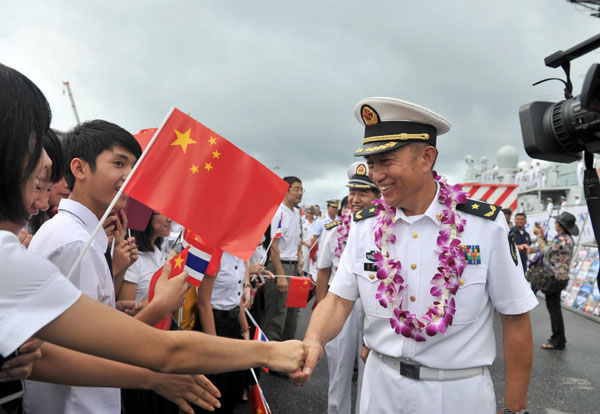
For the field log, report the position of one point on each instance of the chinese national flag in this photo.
(256, 404)
(197, 178)
(298, 292)
(177, 266)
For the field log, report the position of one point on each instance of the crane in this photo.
(68, 89)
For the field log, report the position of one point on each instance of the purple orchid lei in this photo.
(342, 233)
(445, 282)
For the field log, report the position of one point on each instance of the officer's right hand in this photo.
(314, 352)
(287, 356)
(282, 285)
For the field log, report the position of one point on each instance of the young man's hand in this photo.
(282, 285)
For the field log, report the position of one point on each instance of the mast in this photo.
(68, 88)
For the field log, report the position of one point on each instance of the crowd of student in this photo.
(78, 350)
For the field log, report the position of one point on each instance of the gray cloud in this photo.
(280, 80)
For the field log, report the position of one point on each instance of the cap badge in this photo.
(369, 116)
(361, 170)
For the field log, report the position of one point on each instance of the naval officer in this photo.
(444, 265)
(345, 348)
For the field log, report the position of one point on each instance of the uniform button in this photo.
(415, 235)
(461, 282)
(371, 276)
(239, 281)
(239, 293)
(412, 298)
(413, 266)
(235, 267)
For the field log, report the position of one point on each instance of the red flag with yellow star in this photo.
(197, 178)
(298, 292)
(177, 266)
(256, 401)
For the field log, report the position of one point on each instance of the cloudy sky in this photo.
(280, 79)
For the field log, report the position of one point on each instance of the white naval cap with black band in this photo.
(391, 123)
(358, 178)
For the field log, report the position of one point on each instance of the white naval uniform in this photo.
(345, 348)
(497, 282)
(60, 240)
(318, 230)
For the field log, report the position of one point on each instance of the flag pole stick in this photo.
(254, 322)
(264, 256)
(116, 198)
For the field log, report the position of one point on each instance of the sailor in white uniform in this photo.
(344, 349)
(416, 364)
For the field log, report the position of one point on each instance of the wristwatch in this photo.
(509, 411)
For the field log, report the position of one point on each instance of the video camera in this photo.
(560, 131)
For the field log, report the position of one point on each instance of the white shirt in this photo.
(307, 237)
(60, 240)
(33, 293)
(142, 270)
(327, 256)
(495, 283)
(228, 285)
(290, 232)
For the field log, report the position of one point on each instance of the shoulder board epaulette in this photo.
(479, 208)
(332, 224)
(365, 213)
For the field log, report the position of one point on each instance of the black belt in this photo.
(289, 262)
(227, 314)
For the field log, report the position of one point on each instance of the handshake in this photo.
(297, 359)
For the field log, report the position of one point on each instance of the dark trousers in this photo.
(556, 319)
(230, 384)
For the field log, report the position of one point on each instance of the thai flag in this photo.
(259, 335)
(201, 259)
(278, 230)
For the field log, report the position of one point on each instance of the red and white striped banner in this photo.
(504, 195)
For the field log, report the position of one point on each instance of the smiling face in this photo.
(360, 198)
(96, 189)
(38, 186)
(403, 176)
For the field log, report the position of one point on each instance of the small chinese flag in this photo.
(197, 178)
(298, 292)
(177, 266)
(256, 401)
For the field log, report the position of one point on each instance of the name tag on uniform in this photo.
(472, 253)
(370, 267)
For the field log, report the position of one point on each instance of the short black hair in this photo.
(520, 214)
(54, 150)
(90, 139)
(143, 239)
(343, 204)
(291, 180)
(24, 120)
(507, 211)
